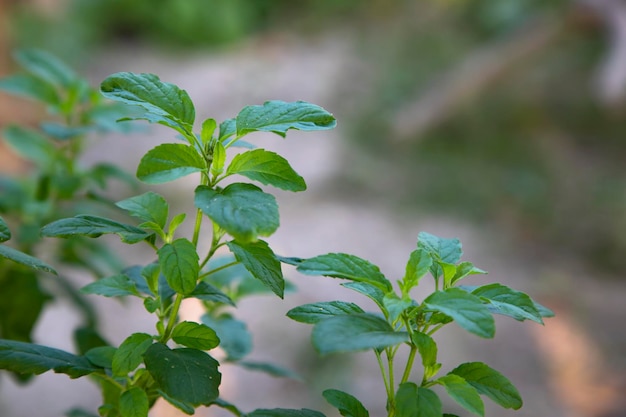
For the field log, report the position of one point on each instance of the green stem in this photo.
(383, 373)
(409, 364)
(172, 320)
(213, 271)
(434, 329)
(196, 228)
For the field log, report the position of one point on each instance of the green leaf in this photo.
(134, 403)
(179, 265)
(464, 269)
(186, 375)
(130, 353)
(243, 210)
(268, 168)
(543, 310)
(115, 286)
(162, 102)
(5, 233)
(491, 383)
(463, 393)
(46, 66)
(26, 85)
(427, 349)
(219, 158)
(195, 335)
(508, 302)
(418, 265)
(316, 312)
(28, 358)
(168, 162)
(101, 356)
(270, 369)
(341, 265)
(149, 207)
(227, 128)
(176, 221)
(279, 116)
(414, 401)
(353, 332)
(207, 292)
(30, 144)
(261, 262)
(185, 407)
(347, 404)
(93, 226)
(235, 339)
(284, 412)
(444, 250)
(395, 306)
(466, 309)
(208, 128)
(370, 291)
(25, 259)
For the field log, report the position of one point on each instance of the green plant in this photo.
(175, 363)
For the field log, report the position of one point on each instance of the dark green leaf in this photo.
(28, 358)
(347, 404)
(101, 356)
(185, 407)
(543, 310)
(463, 393)
(134, 403)
(130, 353)
(163, 103)
(207, 292)
(5, 233)
(168, 162)
(77, 412)
(414, 401)
(235, 339)
(445, 250)
(46, 66)
(315, 312)
(261, 262)
(93, 226)
(186, 375)
(30, 144)
(466, 309)
(341, 265)
(195, 335)
(426, 347)
(26, 85)
(115, 286)
(418, 265)
(509, 302)
(354, 332)
(243, 210)
(101, 173)
(279, 116)
(284, 412)
(464, 269)
(179, 265)
(491, 383)
(268, 168)
(395, 306)
(149, 207)
(25, 259)
(227, 128)
(270, 369)
(370, 291)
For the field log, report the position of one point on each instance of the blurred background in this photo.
(499, 122)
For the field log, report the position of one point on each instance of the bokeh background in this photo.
(499, 122)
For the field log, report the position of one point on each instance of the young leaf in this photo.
(418, 265)
(464, 269)
(448, 250)
(490, 382)
(30, 144)
(261, 262)
(207, 292)
(219, 158)
(28, 358)
(347, 404)
(176, 221)
(427, 349)
(279, 116)
(101, 356)
(168, 162)
(93, 226)
(370, 291)
(149, 207)
(179, 265)
(115, 286)
(268, 168)
(227, 128)
(208, 128)
(284, 412)
(270, 369)
(25, 259)
(463, 393)
(134, 403)
(509, 302)
(395, 306)
(26, 85)
(353, 332)
(315, 312)
(341, 265)
(466, 309)
(162, 102)
(414, 401)
(46, 66)
(243, 210)
(235, 339)
(130, 353)
(5, 233)
(186, 375)
(195, 335)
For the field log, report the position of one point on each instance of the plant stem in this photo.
(172, 320)
(196, 228)
(409, 364)
(228, 265)
(383, 373)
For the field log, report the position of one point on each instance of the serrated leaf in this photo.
(149, 207)
(179, 265)
(260, 261)
(347, 404)
(101, 356)
(508, 302)
(370, 291)
(347, 333)
(285, 412)
(467, 310)
(445, 250)
(414, 401)
(134, 403)
(5, 233)
(46, 66)
(195, 335)
(243, 210)
(235, 339)
(316, 312)
(345, 266)
(168, 162)
(491, 383)
(28, 358)
(186, 375)
(464, 269)
(463, 393)
(93, 226)
(26, 85)
(418, 265)
(30, 144)
(279, 116)
(207, 292)
(25, 259)
(268, 168)
(114, 286)
(163, 103)
(130, 353)
(270, 369)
